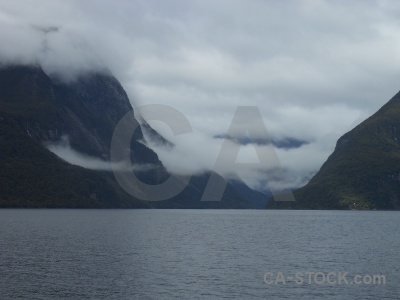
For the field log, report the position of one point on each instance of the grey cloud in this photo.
(64, 151)
(315, 69)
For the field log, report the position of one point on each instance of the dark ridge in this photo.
(363, 172)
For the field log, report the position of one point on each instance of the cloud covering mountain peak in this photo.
(313, 68)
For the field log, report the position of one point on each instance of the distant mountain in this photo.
(285, 143)
(364, 170)
(257, 199)
(36, 110)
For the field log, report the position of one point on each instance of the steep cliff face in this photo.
(87, 110)
(36, 110)
(32, 176)
(364, 170)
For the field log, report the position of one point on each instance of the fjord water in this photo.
(194, 254)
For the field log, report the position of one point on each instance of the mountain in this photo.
(37, 110)
(363, 172)
(257, 199)
(284, 143)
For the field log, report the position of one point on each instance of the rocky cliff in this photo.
(37, 110)
(363, 172)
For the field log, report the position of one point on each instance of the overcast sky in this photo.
(315, 69)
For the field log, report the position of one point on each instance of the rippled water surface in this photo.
(196, 254)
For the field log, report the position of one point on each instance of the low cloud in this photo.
(315, 69)
(64, 151)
